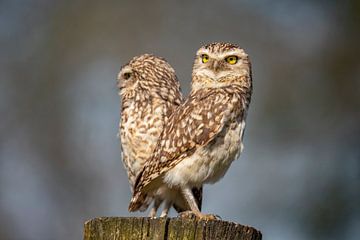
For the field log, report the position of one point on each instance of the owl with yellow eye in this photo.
(204, 135)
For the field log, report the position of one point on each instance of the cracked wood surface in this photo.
(121, 228)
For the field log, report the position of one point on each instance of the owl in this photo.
(204, 135)
(149, 92)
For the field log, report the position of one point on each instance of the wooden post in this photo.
(121, 228)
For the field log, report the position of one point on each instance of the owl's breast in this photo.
(209, 163)
(140, 129)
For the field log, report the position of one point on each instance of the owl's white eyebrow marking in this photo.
(237, 52)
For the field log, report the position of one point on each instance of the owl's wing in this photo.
(193, 124)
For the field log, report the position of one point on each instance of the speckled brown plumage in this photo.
(203, 135)
(149, 92)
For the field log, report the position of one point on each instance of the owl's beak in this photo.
(215, 66)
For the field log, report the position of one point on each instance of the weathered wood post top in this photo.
(121, 228)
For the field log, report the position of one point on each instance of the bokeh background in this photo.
(299, 176)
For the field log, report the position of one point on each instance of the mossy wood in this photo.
(119, 228)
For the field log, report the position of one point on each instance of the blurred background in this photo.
(299, 176)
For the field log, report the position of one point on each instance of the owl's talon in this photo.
(187, 214)
(200, 216)
(209, 217)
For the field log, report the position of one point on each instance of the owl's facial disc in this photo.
(220, 64)
(217, 66)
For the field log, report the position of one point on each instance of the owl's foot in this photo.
(209, 217)
(198, 215)
(152, 213)
(154, 209)
(187, 214)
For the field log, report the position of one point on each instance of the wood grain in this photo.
(121, 228)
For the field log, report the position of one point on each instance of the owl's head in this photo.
(219, 65)
(148, 75)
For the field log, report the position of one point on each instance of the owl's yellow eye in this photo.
(231, 59)
(204, 58)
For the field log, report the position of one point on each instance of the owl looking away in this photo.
(149, 92)
(204, 135)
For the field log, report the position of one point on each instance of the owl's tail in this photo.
(140, 202)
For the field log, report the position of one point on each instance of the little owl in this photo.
(204, 135)
(149, 92)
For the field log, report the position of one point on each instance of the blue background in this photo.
(299, 175)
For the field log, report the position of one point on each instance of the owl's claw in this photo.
(187, 214)
(209, 217)
(194, 215)
(217, 217)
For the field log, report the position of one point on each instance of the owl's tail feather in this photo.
(146, 203)
(138, 202)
